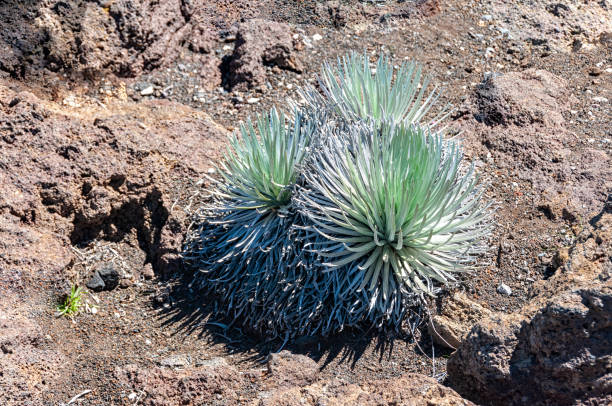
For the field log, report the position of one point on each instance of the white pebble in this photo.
(600, 99)
(252, 100)
(147, 91)
(132, 396)
(504, 289)
(317, 37)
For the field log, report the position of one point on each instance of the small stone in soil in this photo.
(180, 360)
(95, 283)
(147, 91)
(110, 277)
(147, 271)
(595, 71)
(504, 289)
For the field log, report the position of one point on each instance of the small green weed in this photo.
(72, 304)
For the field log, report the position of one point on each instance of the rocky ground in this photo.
(113, 113)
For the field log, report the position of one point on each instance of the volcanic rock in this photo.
(557, 349)
(260, 43)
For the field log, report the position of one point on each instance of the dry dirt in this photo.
(112, 113)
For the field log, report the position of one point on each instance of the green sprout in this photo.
(72, 303)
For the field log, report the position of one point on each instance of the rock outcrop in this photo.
(90, 38)
(456, 319)
(260, 43)
(69, 175)
(558, 349)
(290, 379)
(91, 172)
(522, 98)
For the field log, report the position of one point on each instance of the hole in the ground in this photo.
(547, 211)
(224, 67)
(116, 181)
(86, 188)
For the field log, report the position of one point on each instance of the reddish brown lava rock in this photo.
(164, 386)
(70, 175)
(557, 349)
(91, 38)
(260, 43)
(516, 119)
(409, 390)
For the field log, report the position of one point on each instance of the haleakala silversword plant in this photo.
(355, 91)
(352, 209)
(393, 207)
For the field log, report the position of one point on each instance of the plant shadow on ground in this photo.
(188, 315)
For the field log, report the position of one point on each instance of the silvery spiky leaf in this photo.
(258, 175)
(248, 242)
(261, 166)
(385, 94)
(394, 204)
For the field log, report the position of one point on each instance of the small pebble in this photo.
(504, 289)
(147, 271)
(600, 99)
(317, 37)
(132, 396)
(486, 17)
(147, 91)
(503, 31)
(595, 71)
(252, 100)
(179, 360)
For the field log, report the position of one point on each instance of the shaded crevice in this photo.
(143, 216)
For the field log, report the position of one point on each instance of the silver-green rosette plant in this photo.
(385, 93)
(353, 209)
(394, 206)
